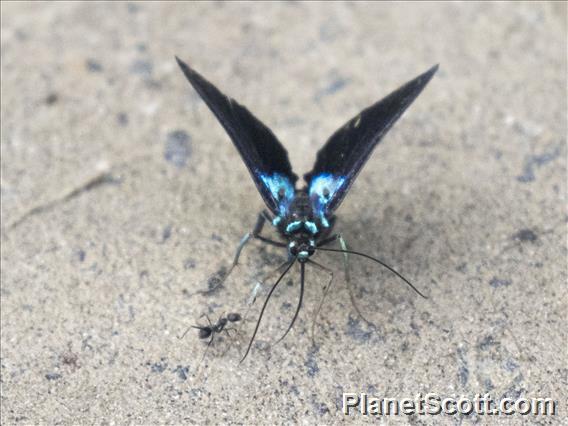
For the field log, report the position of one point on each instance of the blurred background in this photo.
(122, 196)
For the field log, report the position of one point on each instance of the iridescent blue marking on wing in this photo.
(322, 190)
(281, 189)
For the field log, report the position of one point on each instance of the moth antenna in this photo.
(398, 274)
(264, 307)
(302, 276)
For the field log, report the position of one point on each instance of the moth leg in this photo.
(244, 241)
(327, 241)
(343, 246)
(255, 233)
(258, 230)
(325, 291)
(226, 330)
(270, 242)
(260, 285)
(263, 216)
(257, 289)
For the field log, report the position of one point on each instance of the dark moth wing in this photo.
(347, 150)
(263, 154)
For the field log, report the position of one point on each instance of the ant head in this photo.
(302, 248)
(234, 317)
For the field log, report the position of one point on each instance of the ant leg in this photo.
(328, 240)
(325, 291)
(207, 348)
(207, 318)
(343, 246)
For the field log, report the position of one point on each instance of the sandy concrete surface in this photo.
(122, 196)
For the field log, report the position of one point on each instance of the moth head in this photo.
(302, 248)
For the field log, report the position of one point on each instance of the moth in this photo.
(304, 217)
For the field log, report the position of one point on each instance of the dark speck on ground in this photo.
(356, 332)
(214, 280)
(510, 365)
(319, 407)
(122, 119)
(294, 390)
(53, 376)
(132, 8)
(335, 85)
(158, 367)
(525, 235)
(177, 150)
(311, 363)
(463, 375)
(93, 65)
(142, 67)
(166, 233)
(486, 343)
(181, 371)
(189, 264)
(515, 390)
(79, 255)
(537, 161)
(51, 98)
(499, 282)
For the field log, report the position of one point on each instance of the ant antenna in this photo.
(302, 274)
(264, 307)
(186, 331)
(356, 253)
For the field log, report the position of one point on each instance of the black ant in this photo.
(210, 330)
